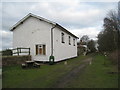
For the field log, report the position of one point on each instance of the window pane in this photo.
(62, 37)
(40, 51)
(69, 40)
(74, 42)
(44, 50)
(36, 49)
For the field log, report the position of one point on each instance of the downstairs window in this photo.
(40, 49)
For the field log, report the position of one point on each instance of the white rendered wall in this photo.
(63, 50)
(32, 32)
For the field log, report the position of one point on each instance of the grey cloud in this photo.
(6, 42)
(6, 45)
(73, 15)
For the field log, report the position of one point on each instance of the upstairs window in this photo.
(69, 40)
(62, 38)
(73, 42)
(40, 49)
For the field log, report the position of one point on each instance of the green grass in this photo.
(46, 76)
(94, 75)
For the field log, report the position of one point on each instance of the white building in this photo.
(44, 38)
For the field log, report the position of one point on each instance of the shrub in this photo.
(7, 52)
(114, 56)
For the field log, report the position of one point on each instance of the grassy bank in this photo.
(94, 75)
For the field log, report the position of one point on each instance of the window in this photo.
(73, 42)
(69, 40)
(62, 37)
(40, 49)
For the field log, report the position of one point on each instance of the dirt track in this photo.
(72, 74)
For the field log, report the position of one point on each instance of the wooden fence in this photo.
(18, 51)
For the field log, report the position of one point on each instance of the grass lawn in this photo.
(94, 75)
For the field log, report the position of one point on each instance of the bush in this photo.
(7, 52)
(114, 56)
(91, 46)
(15, 60)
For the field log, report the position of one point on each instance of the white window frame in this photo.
(42, 46)
(62, 37)
(69, 37)
(74, 41)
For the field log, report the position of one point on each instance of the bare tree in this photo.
(84, 39)
(108, 38)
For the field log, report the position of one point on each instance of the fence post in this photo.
(29, 51)
(12, 52)
(18, 51)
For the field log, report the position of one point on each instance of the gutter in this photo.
(52, 39)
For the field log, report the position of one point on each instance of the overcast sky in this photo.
(80, 18)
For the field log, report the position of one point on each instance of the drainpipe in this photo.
(51, 58)
(52, 40)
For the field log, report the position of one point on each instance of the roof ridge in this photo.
(27, 16)
(38, 17)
